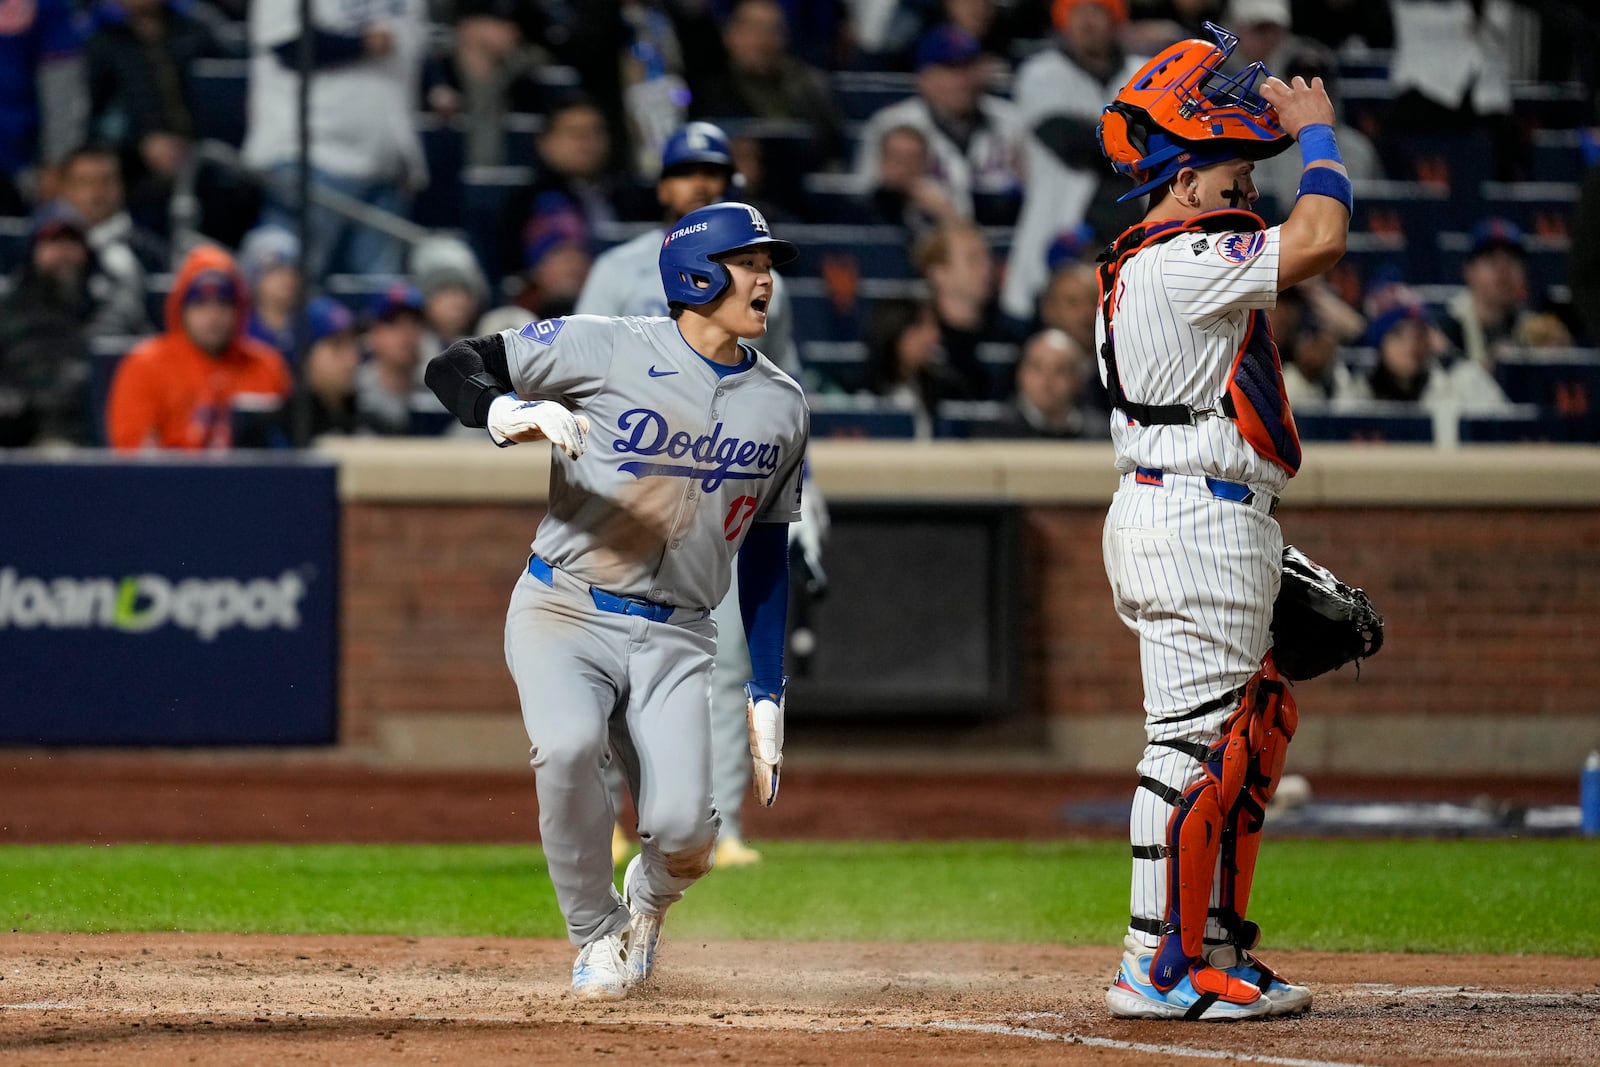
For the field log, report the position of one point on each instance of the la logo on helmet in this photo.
(757, 220)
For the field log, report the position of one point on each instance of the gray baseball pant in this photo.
(597, 686)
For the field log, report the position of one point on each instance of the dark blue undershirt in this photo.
(764, 600)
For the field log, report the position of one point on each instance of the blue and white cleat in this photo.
(643, 933)
(1285, 997)
(1205, 994)
(598, 973)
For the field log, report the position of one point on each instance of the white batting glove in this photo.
(515, 420)
(764, 717)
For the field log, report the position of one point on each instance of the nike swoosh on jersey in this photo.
(660, 373)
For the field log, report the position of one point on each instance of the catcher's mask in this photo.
(1179, 110)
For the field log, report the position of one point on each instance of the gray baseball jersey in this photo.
(626, 280)
(680, 459)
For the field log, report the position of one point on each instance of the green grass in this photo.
(1516, 896)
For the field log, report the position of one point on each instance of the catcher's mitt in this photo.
(1318, 623)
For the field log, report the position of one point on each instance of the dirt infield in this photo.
(219, 999)
(216, 999)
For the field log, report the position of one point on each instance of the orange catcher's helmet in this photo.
(1179, 110)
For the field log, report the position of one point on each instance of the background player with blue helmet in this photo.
(678, 454)
(1206, 443)
(697, 169)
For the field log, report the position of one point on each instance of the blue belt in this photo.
(617, 605)
(1220, 488)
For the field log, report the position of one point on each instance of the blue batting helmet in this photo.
(690, 273)
(697, 142)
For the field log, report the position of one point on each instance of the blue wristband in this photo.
(1317, 145)
(1325, 181)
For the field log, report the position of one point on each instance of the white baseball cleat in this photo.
(598, 973)
(643, 934)
(1205, 994)
(1285, 997)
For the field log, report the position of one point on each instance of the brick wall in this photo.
(1487, 612)
(425, 593)
(1491, 612)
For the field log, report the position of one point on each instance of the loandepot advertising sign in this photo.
(168, 602)
(140, 603)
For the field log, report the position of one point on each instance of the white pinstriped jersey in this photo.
(1180, 314)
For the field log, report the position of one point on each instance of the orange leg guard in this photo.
(1221, 817)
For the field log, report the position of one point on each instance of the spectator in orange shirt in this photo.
(179, 389)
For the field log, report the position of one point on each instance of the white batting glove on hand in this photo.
(515, 420)
(764, 717)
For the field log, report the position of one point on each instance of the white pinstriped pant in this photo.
(1195, 577)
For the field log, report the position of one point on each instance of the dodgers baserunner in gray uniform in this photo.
(696, 170)
(678, 450)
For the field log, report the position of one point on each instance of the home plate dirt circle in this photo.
(227, 999)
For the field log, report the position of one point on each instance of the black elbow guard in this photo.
(467, 376)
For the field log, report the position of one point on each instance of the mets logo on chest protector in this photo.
(1241, 247)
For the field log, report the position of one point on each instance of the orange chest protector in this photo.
(1255, 398)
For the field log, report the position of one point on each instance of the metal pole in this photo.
(299, 414)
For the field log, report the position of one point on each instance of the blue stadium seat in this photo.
(355, 291)
(815, 317)
(1413, 210)
(842, 364)
(1557, 156)
(1562, 381)
(1367, 254)
(438, 205)
(1373, 63)
(104, 355)
(429, 418)
(1528, 425)
(1376, 421)
(998, 361)
(220, 88)
(486, 197)
(835, 198)
(861, 93)
(1547, 259)
(1550, 105)
(969, 418)
(14, 235)
(838, 416)
(1364, 100)
(521, 131)
(156, 288)
(875, 251)
(1540, 208)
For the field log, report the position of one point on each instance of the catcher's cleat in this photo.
(1285, 997)
(598, 972)
(621, 844)
(1205, 994)
(644, 932)
(733, 852)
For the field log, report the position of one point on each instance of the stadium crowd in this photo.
(935, 160)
